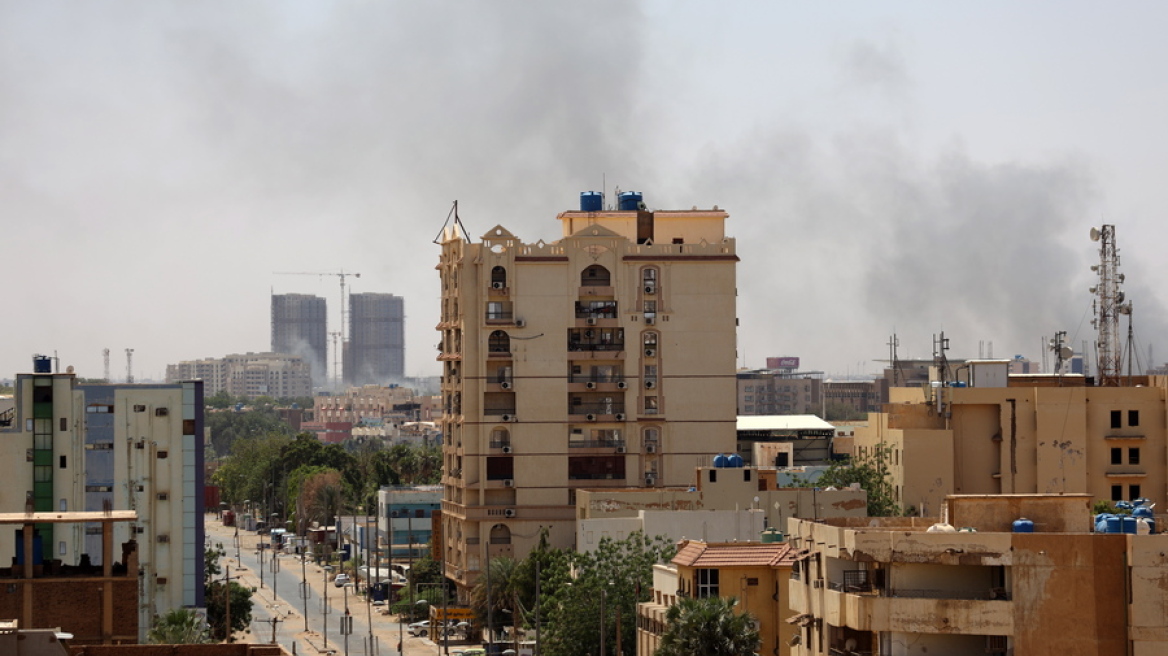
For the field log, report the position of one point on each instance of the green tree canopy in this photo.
(871, 472)
(708, 626)
(180, 626)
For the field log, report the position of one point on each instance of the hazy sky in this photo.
(893, 166)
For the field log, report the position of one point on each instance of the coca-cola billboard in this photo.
(782, 363)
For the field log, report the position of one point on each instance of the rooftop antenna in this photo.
(894, 342)
(1062, 353)
(457, 221)
(105, 354)
(130, 366)
(1108, 306)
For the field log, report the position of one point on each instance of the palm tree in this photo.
(181, 626)
(708, 626)
(505, 588)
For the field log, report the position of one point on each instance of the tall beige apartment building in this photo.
(602, 360)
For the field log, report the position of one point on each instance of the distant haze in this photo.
(887, 167)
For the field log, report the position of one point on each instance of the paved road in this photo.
(279, 597)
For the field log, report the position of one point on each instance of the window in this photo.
(1133, 417)
(498, 277)
(650, 405)
(595, 276)
(64, 424)
(1117, 493)
(1133, 456)
(1133, 492)
(706, 583)
(649, 279)
(62, 462)
(498, 342)
(650, 308)
(1116, 418)
(1116, 456)
(650, 338)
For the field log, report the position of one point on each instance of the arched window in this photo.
(498, 342)
(500, 534)
(498, 277)
(650, 338)
(595, 276)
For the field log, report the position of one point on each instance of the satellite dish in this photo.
(1094, 267)
(1094, 234)
(1121, 277)
(1094, 289)
(1066, 353)
(1119, 298)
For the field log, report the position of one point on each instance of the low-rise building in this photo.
(904, 586)
(247, 375)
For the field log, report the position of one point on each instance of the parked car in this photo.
(420, 629)
(341, 580)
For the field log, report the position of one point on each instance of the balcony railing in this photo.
(596, 378)
(594, 477)
(498, 444)
(499, 411)
(499, 315)
(594, 310)
(596, 345)
(602, 408)
(595, 444)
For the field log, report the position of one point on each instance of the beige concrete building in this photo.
(756, 574)
(71, 447)
(891, 587)
(1032, 434)
(247, 374)
(603, 359)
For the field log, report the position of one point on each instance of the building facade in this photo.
(604, 359)
(91, 447)
(900, 585)
(377, 347)
(1002, 434)
(247, 375)
(300, 327)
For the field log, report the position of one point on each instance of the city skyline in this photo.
(891, 168)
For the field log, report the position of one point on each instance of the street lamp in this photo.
(445, 621)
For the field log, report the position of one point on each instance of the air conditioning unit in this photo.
(508, 417)
(622, 385)
(649, 321)
(591, 322)
(505, 384)
(650, 384)
(509, 512)
(620, 449)
(650, 289)
(519, 323)
(497, 285)
(620, 416)
(507, 482)
(590, 385)
(650, 448)
(590, 417)
(506, 449)
(650, 480)
(649, 353)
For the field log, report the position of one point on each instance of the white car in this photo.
(341, 580)
(420, 629)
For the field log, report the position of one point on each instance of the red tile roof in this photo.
(734, 554)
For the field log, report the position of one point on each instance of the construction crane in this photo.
(342, 274)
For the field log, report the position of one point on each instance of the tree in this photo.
(871, 472)
(621, 573)
(217, 595)
(708, 626)
(181, 626)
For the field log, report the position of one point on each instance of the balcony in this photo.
(596, 310)
(596, 339)
(607, 408)
(596, 444)
(597, 378)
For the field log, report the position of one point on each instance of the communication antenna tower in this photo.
(105, 354)
(130, 365)
(894, 342)
(1109, 305)
(1062, 353)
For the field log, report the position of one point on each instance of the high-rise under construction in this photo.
(376, 349)
(300, 327)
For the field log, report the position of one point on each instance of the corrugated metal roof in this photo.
(782, 422)
(738, 554)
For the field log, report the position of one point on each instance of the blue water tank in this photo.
(591, 201)
(38, 549)
(42, 364)
(1023, 525)
(721, 461)
(1142, 511)
(1114, 524)
(630, 200)
(1101, 522)
(735, 460)
(1129, 524)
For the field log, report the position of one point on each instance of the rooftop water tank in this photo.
(630, 201)
(591, 201)
(721, 461)
(1023, 525)
(42, 364)
(1142, 511)
(1113, 524)
(1129, 524)
(735, 460)
(772, 535)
